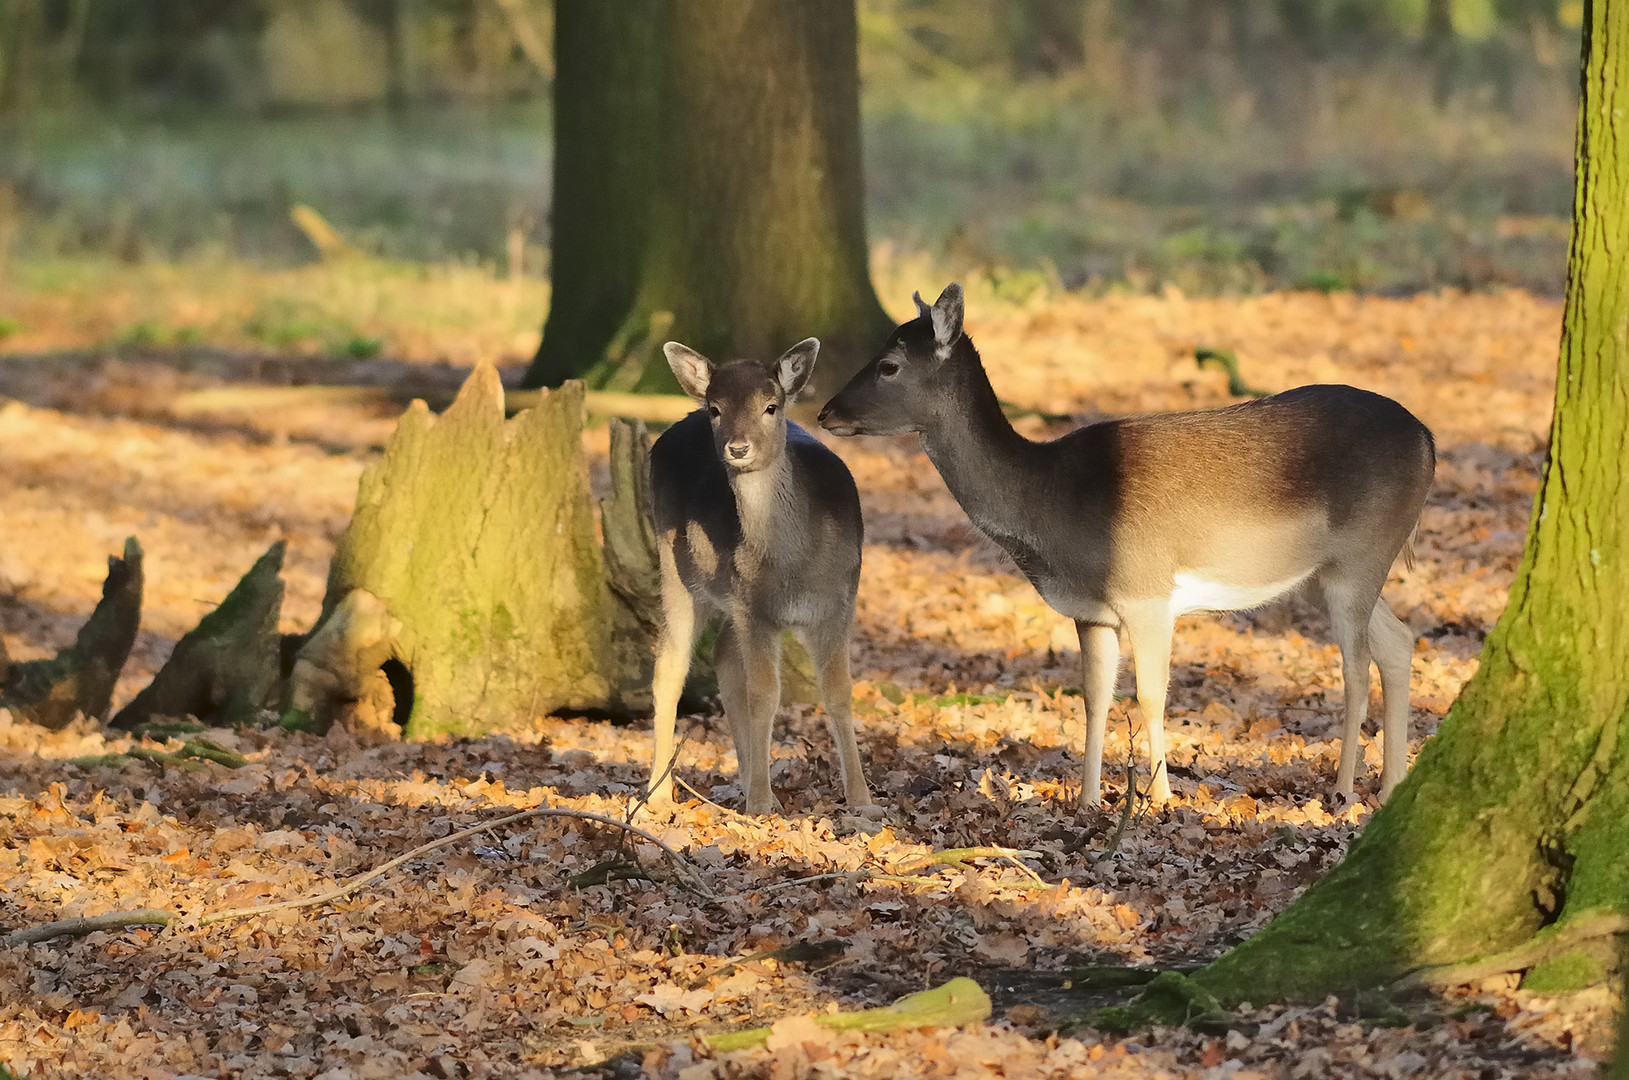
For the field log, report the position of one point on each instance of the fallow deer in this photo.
(1125, 525)
(754, 518)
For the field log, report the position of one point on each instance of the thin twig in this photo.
(452, 838)
(1125, 811)
(682, 782)
(1025, 869)
(845, 875)
(82, 926)
(642, 798)
(951, 857)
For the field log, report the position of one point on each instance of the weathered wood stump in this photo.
(226, 669)
(79, 680)
(477, 533)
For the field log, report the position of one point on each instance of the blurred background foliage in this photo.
(1217, 146)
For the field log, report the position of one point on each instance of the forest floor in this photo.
(488, 959)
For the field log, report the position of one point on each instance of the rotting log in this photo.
(217, 401)
(225, 670)
(478, 535)
(79, 680)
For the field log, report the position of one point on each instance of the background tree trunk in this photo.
(707, 188)
(606, 131)
(1515, 821)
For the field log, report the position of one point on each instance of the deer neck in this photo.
(762, 498)
(987, 465)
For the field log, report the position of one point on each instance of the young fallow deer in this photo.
(1126, 524)
(756, 519)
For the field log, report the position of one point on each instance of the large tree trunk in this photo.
(706, 188)
(1515, 821)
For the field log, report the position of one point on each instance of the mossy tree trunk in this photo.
(707, 188)
(1514, 824)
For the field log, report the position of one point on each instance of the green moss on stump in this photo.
(478, 534)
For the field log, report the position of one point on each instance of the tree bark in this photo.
(1515, 821)
(707, 188)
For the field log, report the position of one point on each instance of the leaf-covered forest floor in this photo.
(487, 960)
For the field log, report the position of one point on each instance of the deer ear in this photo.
(947, 318)
(692, 369)
(921, 307)
(796, 364)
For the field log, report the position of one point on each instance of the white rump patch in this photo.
(1195, 592)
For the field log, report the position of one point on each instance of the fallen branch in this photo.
(1524, 956)
(156, 917)
(90, 924)
(953, 858)
(191, 752)
(657, 408)
(960, 857)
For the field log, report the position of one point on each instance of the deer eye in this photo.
(712, 410)
(771, 410)
(888, 368)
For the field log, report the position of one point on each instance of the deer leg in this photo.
(760, 654)
(673, 646)
(1350, 619)
(1393, 645)
(1100, 663)
(732, 693)
(830, 654)
(1149, 626)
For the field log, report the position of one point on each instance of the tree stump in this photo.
(226, 669)
(79, 680)
(478, 535)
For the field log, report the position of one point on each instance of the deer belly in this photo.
(1195, 592)
(1074, 602)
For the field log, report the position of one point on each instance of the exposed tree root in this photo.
(1527, 955)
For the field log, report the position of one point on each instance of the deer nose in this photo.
(738, 449)
(821, 419)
